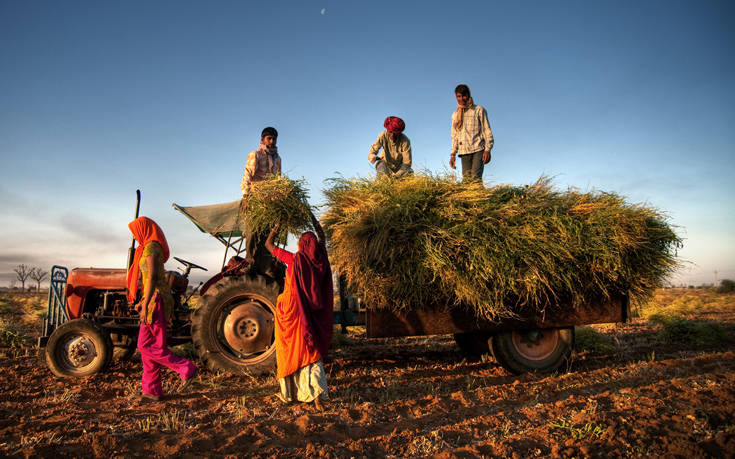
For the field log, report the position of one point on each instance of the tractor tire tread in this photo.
(222, 290)
(95, 332)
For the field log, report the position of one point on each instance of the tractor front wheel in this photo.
(234, 327)
(78, 348)
(542, 350)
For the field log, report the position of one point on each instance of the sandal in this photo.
(155, 398)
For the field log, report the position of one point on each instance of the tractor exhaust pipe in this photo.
(131, 250)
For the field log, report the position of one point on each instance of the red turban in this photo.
(394, 124)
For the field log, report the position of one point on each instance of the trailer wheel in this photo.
(234, 327)
(78, 348)
(473, 344)
(543, 350)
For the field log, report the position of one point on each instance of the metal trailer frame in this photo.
(382, 323)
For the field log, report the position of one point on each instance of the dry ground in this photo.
(653, 387)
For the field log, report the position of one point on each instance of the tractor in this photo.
(90, 322)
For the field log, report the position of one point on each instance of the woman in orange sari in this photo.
(155, 308)
(304, 318)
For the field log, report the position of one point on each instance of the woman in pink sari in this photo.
(304, 318)
(155, 308)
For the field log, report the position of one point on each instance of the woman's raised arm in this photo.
(271, 237)
(317, 228)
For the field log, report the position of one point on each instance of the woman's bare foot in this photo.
(318, 404)
(280, 397)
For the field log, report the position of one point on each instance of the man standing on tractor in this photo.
(395, 161)
(261, 163)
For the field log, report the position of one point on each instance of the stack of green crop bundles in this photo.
(422, 241)
(278, 199)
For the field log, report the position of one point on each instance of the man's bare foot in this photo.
(318, 404)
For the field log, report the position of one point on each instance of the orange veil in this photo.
(144, 231)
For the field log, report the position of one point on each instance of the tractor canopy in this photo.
(221, 221)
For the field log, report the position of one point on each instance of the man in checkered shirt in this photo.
(472, 138)
(261, 163)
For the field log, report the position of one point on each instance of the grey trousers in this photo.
(381, 167)
(472, 166)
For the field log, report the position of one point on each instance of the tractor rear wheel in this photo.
(234, 327)
(78, 348)
(543, 350)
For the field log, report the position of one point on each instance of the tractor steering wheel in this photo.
(189, 266)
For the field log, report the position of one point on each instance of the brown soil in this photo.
(394, 397)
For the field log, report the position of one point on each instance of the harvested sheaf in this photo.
(424, 240)
(279, 199)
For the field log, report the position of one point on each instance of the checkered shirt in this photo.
(256, 169)
(475, 134)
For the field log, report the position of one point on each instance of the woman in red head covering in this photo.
(304, 318)
(155, 307)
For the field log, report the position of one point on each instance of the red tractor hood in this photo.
(82, 280)
(98, 278)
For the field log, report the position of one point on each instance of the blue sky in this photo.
(100, 98)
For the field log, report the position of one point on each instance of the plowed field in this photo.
(641, 396)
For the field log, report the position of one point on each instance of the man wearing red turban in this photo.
(395, 159)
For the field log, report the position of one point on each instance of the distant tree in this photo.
(13, 284)
(23, 272)
(726, 286)
(38, 275)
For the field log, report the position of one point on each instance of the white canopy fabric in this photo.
(219, 220)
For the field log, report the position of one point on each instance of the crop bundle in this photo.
(278, 199)
(405, 244)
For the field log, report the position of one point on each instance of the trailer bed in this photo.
(382, 323)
